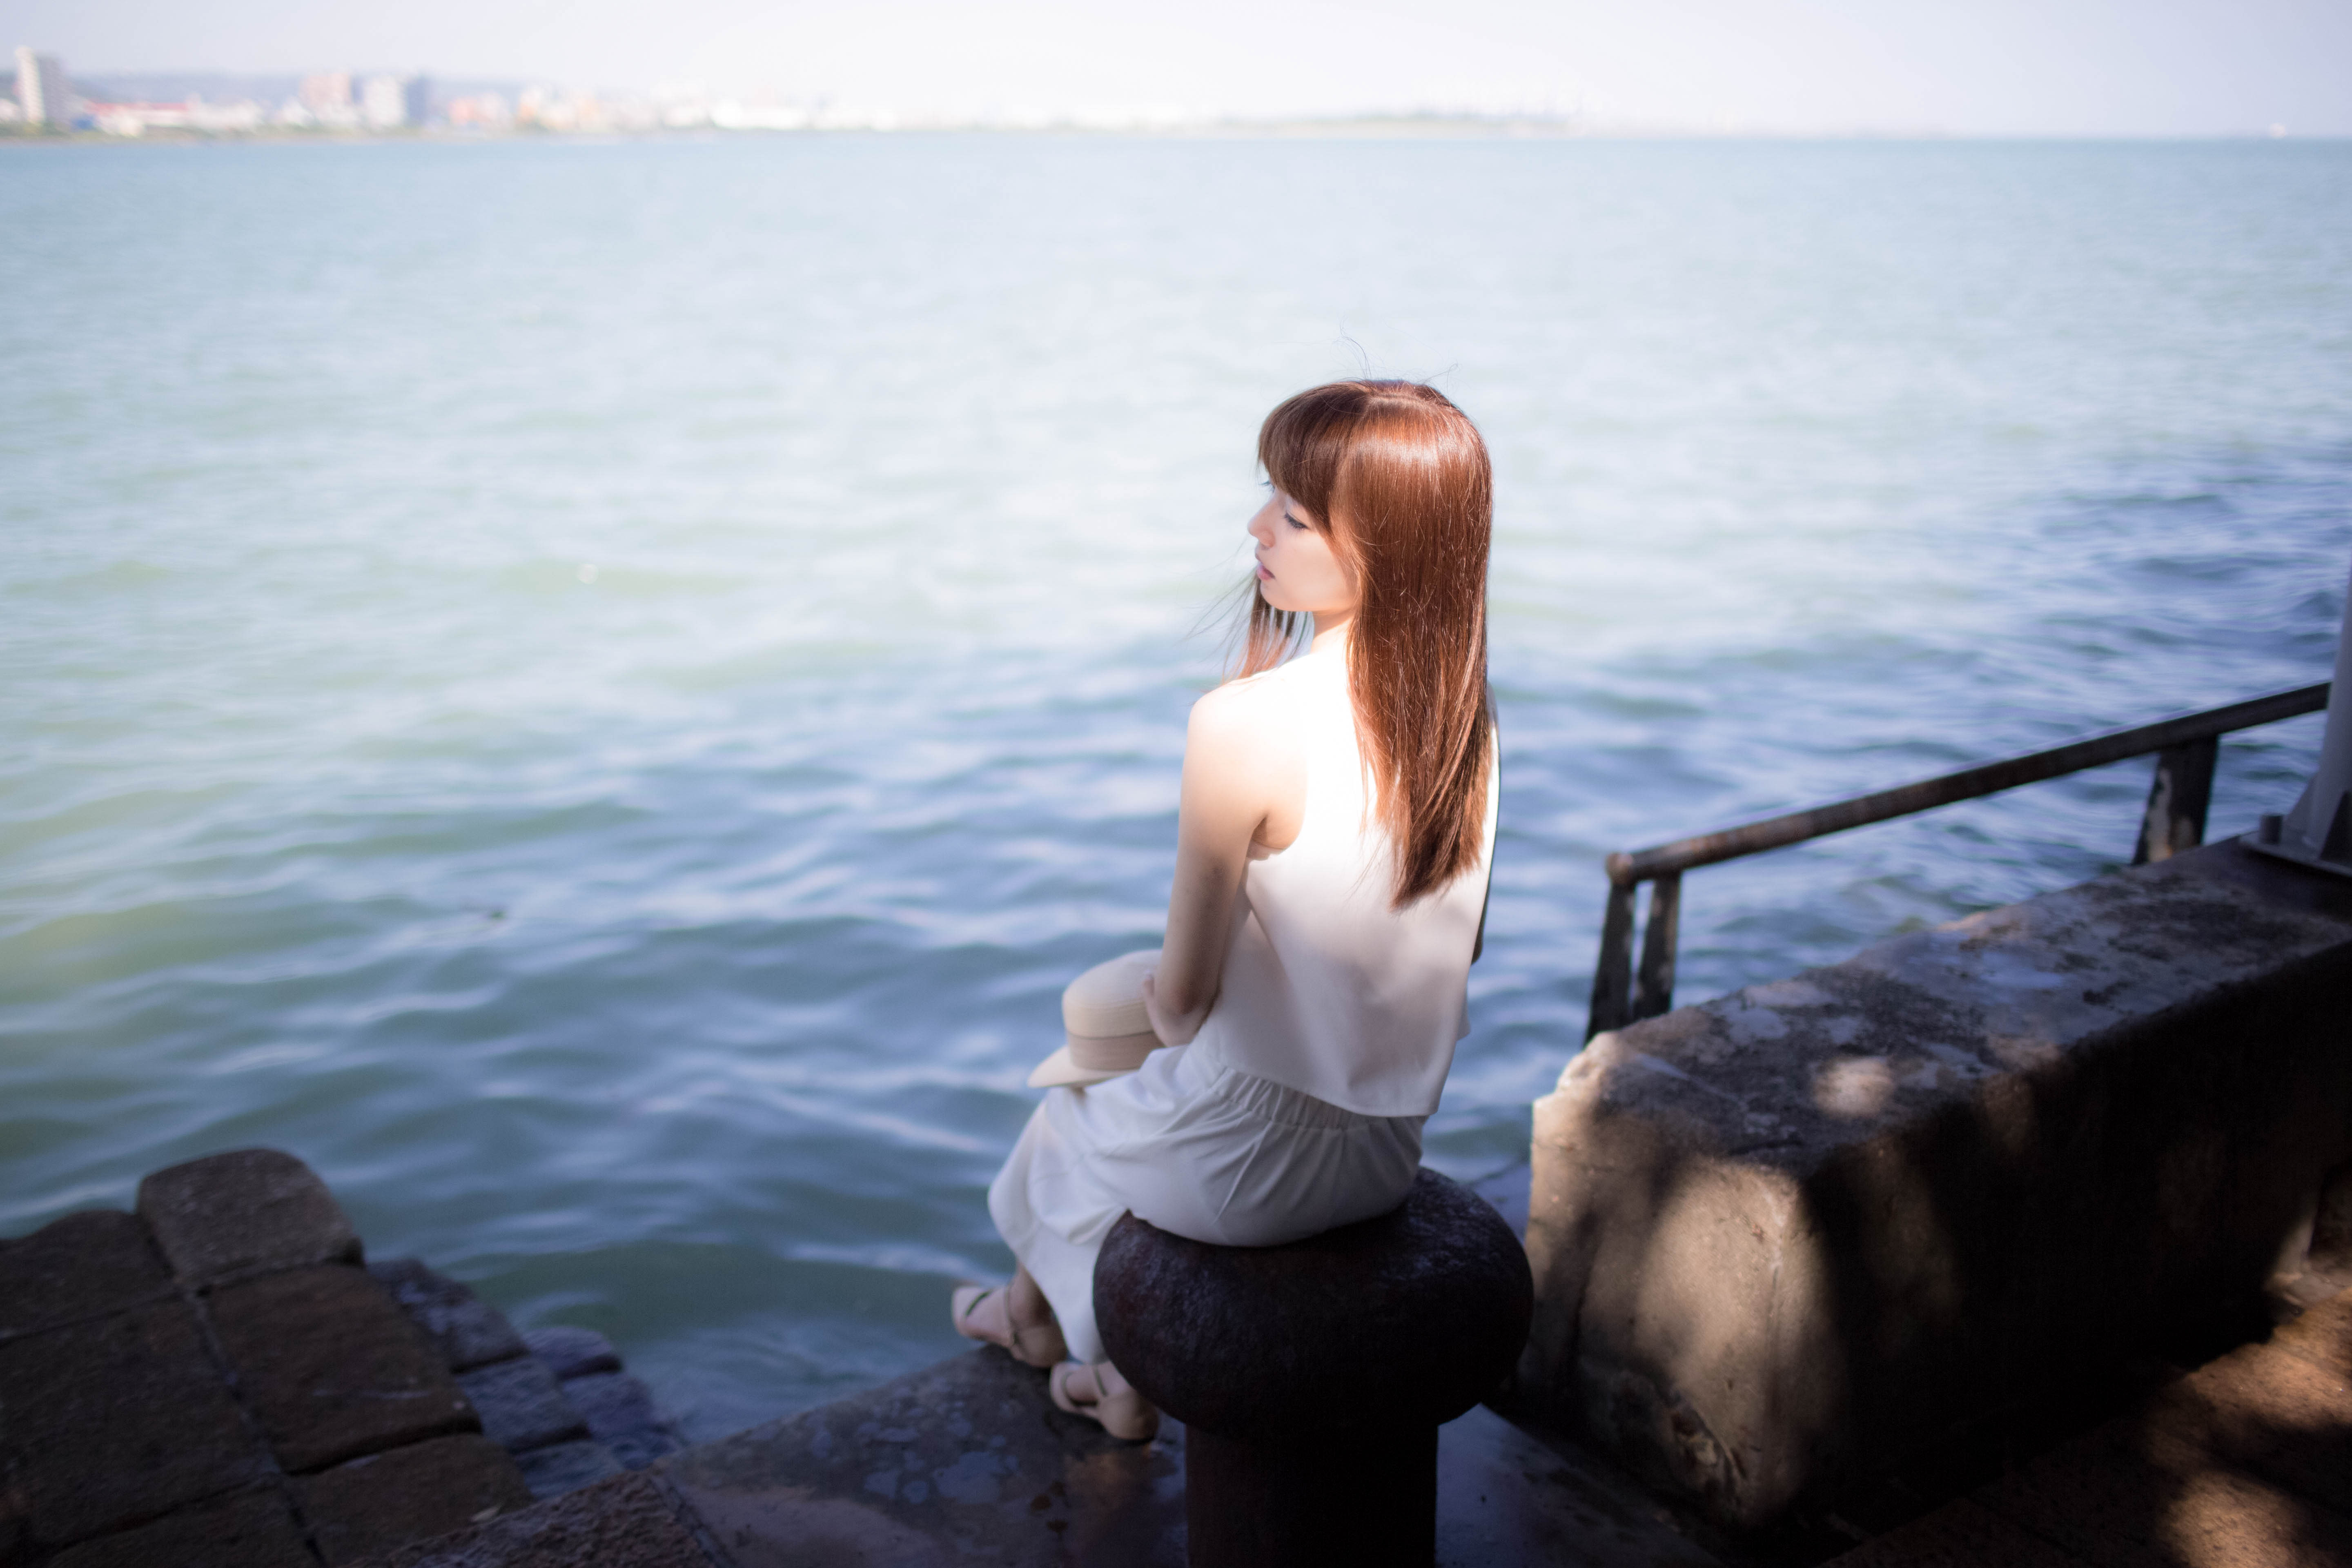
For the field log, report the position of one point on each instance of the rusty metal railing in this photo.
(2186, 748)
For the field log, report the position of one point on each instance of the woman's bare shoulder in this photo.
(1250, 725)
(1240, 709)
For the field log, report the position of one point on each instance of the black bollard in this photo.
(1312, 1377)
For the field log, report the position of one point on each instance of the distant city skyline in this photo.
(1770, 67)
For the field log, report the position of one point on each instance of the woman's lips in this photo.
(1262, 574)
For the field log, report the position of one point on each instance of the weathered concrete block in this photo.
(620, 1414)
(1810, 1225)
(242, 1212)
(331, 1369)
(572, 1351)
(407, 1495)
(623, 1523)
(468, 1331)
(250, 1530)
(110, 1422)
(562, 1468)
(98, 1261)
(522, 1405)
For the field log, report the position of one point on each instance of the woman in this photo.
(1332, 844)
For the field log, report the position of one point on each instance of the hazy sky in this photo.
(1996, 67)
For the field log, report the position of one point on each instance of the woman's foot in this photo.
(1099, 1393)
(1018, 1319)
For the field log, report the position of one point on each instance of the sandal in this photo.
(984, 1313)
(1100, 1394)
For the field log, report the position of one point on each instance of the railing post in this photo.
(1654, 987)
(1612, 977)
(2178, 796)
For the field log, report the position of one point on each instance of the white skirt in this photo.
(1194, 1148)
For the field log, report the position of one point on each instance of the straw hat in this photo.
(1103, 1018)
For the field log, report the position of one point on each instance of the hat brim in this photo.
(1060, 1070)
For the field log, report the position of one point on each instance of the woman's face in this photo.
(1296, 567)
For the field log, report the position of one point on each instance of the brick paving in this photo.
(2244, 1463)
(215, 1381)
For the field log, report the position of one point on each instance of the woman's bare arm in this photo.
(1239, 773)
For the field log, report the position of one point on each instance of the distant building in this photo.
(241, 115)
(323, 99)
(543, 106)
(195, 115)
(43, 94)
(481, 110)
(138, 119)
(389, 101)
(327, 92)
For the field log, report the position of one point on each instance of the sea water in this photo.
(597, 692)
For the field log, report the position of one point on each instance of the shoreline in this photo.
(1367, 128)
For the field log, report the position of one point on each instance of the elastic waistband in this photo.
(1279, 1103)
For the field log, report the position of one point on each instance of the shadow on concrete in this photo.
(2246, 1460)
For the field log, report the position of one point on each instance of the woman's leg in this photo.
(1096, 1390)
(1038, 1200)
(1016, 1317)
(1031, 1312)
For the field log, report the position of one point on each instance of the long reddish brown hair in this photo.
(1398, 479)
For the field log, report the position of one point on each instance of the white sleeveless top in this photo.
(1327, 990)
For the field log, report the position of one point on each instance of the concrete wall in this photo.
(1804, 1229)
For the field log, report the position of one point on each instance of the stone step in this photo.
(557, 1398)
(214, 1382)
(969, 1462)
